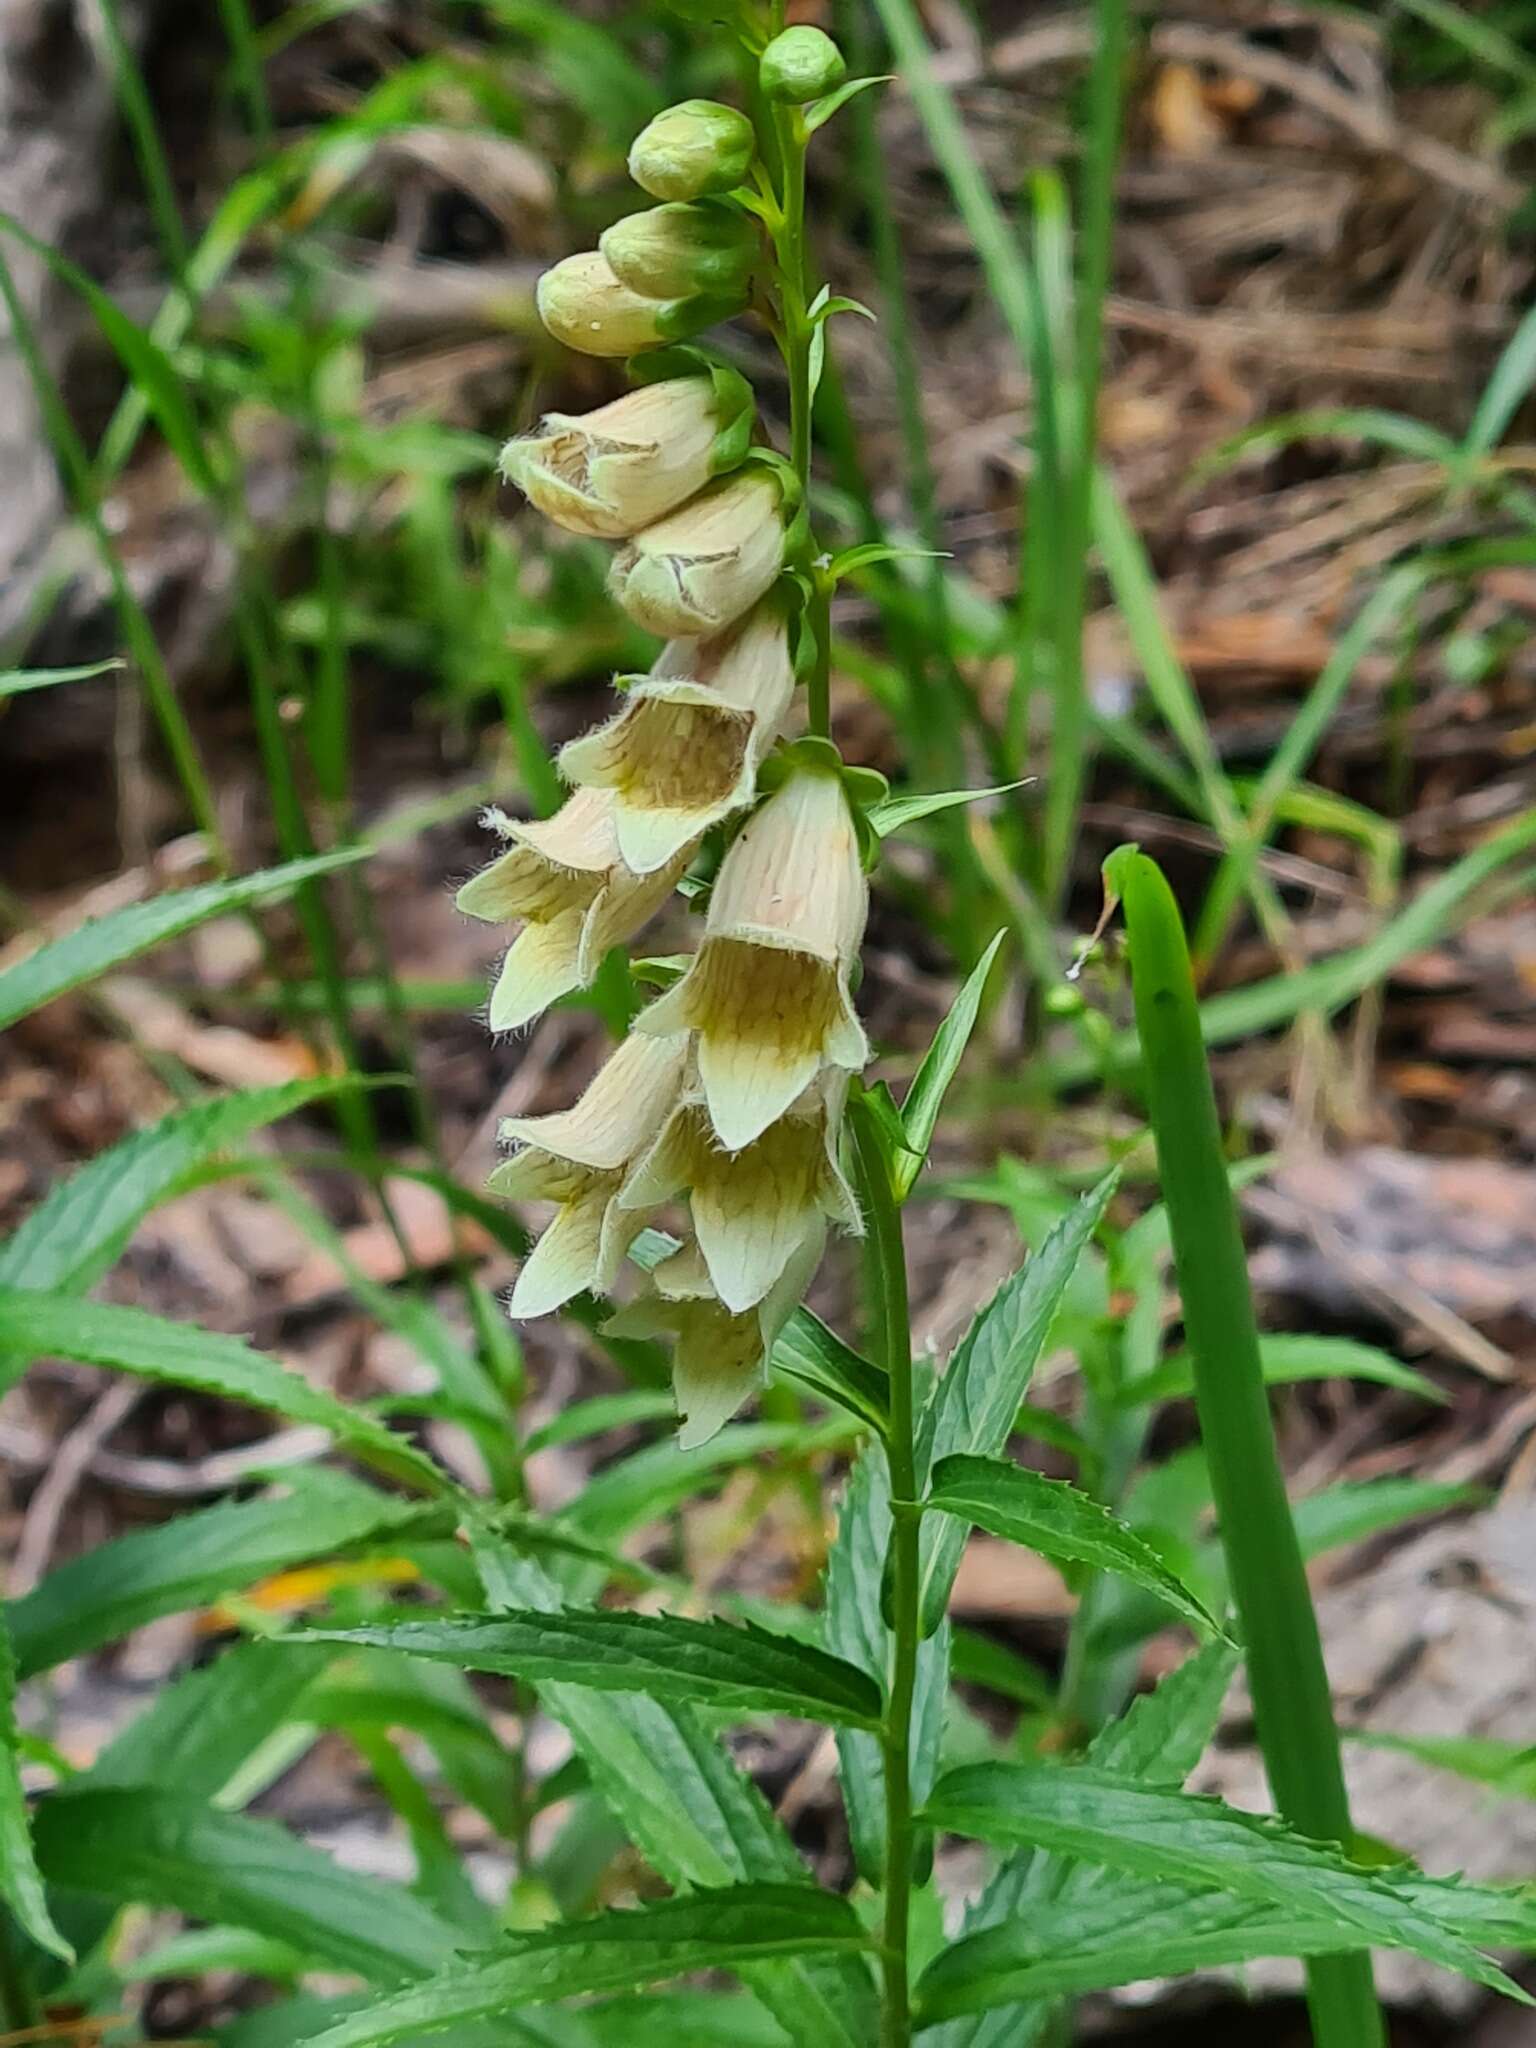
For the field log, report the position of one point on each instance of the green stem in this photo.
(888, 1263)
(1286, 1672)
(786, 133)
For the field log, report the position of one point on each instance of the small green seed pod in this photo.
(673, 251)
(691, 150)
(800, 65)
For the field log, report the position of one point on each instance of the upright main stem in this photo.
(789, 140)
(895, 1334)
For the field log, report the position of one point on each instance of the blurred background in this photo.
(272, 503)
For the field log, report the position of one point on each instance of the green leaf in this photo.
(897, 812)
(1287, 1359)
(79, 1228)
(148, 366)
(210, 1719)
(930, 1084)
(692, 1813)
(808, 1352)
(855, 1629)
(973, 1406)
(665, 1656)
(188, 1562)
(137, 1846)
(1506, 390)
(21, 1884)
(1356, 1509)
(106, 942)
(822, 110)
(178, 1354)
(1053, 1518)
(616, 1952)
(14, 681)
(1506, 1768)
(1116, 1821)
(602, 1412)
(1121, 1932)
(978, 1659)
(1159, 1740)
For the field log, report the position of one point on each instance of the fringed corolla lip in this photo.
(584, 305)
(695, 572)
(563, 876)
(751, 1209)
(718, 1359)
(685, 750)
(578, 1158)
(611, 472)
(584, 1246)
(767, 992)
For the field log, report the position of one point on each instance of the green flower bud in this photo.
(584, 305)
(800, 65)
(672, 251)
(691, 150)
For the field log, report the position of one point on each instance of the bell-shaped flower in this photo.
(564, 877)
(685, 750)
(611, 472)
(577, 1158)
(751, 1209)
(768, 990)
(584, 305)
(718, 1359)
(695, 572)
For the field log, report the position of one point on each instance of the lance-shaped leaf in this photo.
(693, 1813)
(1287, 1358)
(615, 1952)
(930, 1084)
(106, 942)
(143, 1847)
(1125, 1825)
(818, 1358)
(1118, 1929)
(1059, 1522)
(78, 1229)
(973, 1406)
(21, 1884)
(667, 1656)
(188, 1562)
(154, 1347)
(1159, 1740)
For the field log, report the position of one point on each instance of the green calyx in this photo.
(863, 787)
(735, 405)
(693, 150)
(682, 249)
(800, 65)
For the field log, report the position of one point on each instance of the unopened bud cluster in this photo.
(725, 1102)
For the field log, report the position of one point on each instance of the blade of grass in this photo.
(1286, 1673)
(1070, 725)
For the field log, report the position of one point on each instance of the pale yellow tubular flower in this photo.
(610, 472)
(718, 1359)
(695, 572)
(577, 1158)
(685, 750)
(564, 877)
(619, 1114)
(751, 1209)
(584, 305)
(768, 991)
